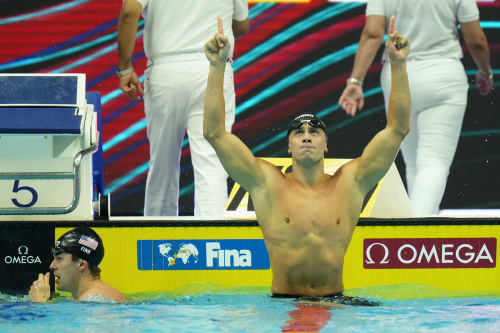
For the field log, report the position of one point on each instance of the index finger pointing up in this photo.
(220, 29)
(391, 26)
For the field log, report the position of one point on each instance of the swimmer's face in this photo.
(66, 272)
(307, 141)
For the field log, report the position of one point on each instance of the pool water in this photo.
(203, 308)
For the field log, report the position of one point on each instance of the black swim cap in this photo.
(309, 119)
(82, 242)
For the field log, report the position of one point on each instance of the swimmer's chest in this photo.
(322, 208)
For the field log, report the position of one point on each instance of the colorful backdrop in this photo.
(295, 58)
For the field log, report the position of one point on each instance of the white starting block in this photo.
(47, 136)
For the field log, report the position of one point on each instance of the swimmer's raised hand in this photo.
(217, 48)
(398, 47)
(40, 289)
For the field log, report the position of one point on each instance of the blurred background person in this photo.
(174, 93)
(438, 84)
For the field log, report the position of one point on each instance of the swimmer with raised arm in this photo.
(307, 217)
(77, 255)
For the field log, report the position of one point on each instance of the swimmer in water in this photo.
(77, 255)
(307, 217)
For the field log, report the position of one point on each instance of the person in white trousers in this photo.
(174, 92)
(438, 84)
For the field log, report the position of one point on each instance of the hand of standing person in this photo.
(130, 85)
(352, 98)
(484, 82)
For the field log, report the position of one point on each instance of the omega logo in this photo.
(426, 253)
(22, 247)
(368, 254)
(22, 257)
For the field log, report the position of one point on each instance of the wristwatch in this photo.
(355, 81)
(125, 71)
(488, 74)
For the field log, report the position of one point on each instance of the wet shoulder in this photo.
(102, 293)
(97, 298)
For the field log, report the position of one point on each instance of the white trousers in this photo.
(438, 99)
(174, 99)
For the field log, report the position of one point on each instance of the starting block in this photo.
(48, 133)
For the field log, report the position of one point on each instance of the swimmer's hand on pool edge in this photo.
(40, 289)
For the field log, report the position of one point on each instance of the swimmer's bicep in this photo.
(376, 159)
(238, 161)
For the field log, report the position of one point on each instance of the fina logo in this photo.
(243, 258)
(22, 257)
(187, 253)
(202, 254)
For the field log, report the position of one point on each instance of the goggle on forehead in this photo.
(57, 250)
(315, 123)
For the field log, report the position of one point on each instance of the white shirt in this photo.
(430, 25)
(184, 26)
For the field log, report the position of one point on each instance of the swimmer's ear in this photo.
(83, 264)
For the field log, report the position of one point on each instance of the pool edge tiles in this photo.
(444, 253)
(437, 248)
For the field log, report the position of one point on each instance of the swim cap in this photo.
(309, 119)
(82, 242)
